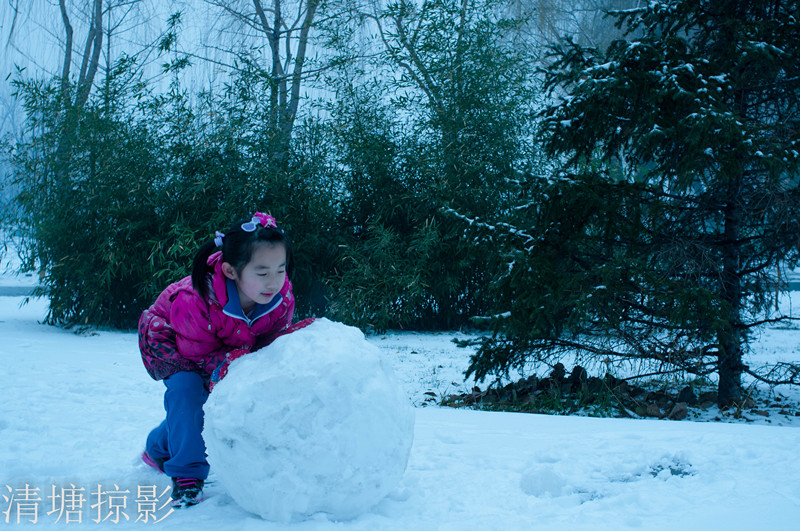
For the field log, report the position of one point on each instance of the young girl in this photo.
(235, 301)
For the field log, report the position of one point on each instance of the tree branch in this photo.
(428, 86)
(784, 373)
(301, 56)
(67, 51)
(262, 17)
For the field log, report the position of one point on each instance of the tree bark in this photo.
(286, 78)
(729, 335)
(91, 61)
(65, 70)
(89, 66)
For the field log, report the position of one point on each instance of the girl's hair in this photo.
(237, 250)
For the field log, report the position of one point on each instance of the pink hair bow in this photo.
(265, 220)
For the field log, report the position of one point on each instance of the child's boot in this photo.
(186, 492)
(158, 464)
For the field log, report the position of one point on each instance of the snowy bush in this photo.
(315, 422)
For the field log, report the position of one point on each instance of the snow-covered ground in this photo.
(77, 408)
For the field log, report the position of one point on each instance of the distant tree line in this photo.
(628, 194)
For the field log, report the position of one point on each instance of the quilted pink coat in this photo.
(183, 332)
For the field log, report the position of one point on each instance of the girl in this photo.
(235, 301)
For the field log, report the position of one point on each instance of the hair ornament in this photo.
(265, 220)
(218, 238)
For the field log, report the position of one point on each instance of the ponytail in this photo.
(200, 268)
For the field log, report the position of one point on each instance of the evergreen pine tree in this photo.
(679, 201)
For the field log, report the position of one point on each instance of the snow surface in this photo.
(77, 408)
(314, 422)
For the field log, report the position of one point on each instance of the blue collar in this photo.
(233, 308)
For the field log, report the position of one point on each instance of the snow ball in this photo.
(313, 423)
(542, 481)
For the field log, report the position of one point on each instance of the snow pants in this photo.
(179, 438)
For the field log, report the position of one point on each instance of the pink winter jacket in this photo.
(183, 332)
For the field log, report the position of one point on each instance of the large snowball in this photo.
(315, 422)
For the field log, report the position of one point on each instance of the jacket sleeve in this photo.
(195, 337)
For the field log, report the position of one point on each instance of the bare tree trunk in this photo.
(89, 65)
(94, 44)
(91, 55)
(729, 335)
(286, 69)
(67, 52)
(297, 74)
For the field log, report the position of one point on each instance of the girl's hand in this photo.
(220, 372)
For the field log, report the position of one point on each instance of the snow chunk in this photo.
(542, 481)
(315, 422)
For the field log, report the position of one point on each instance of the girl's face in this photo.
(262, 277)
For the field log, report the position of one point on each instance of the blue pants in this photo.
(179, 439)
